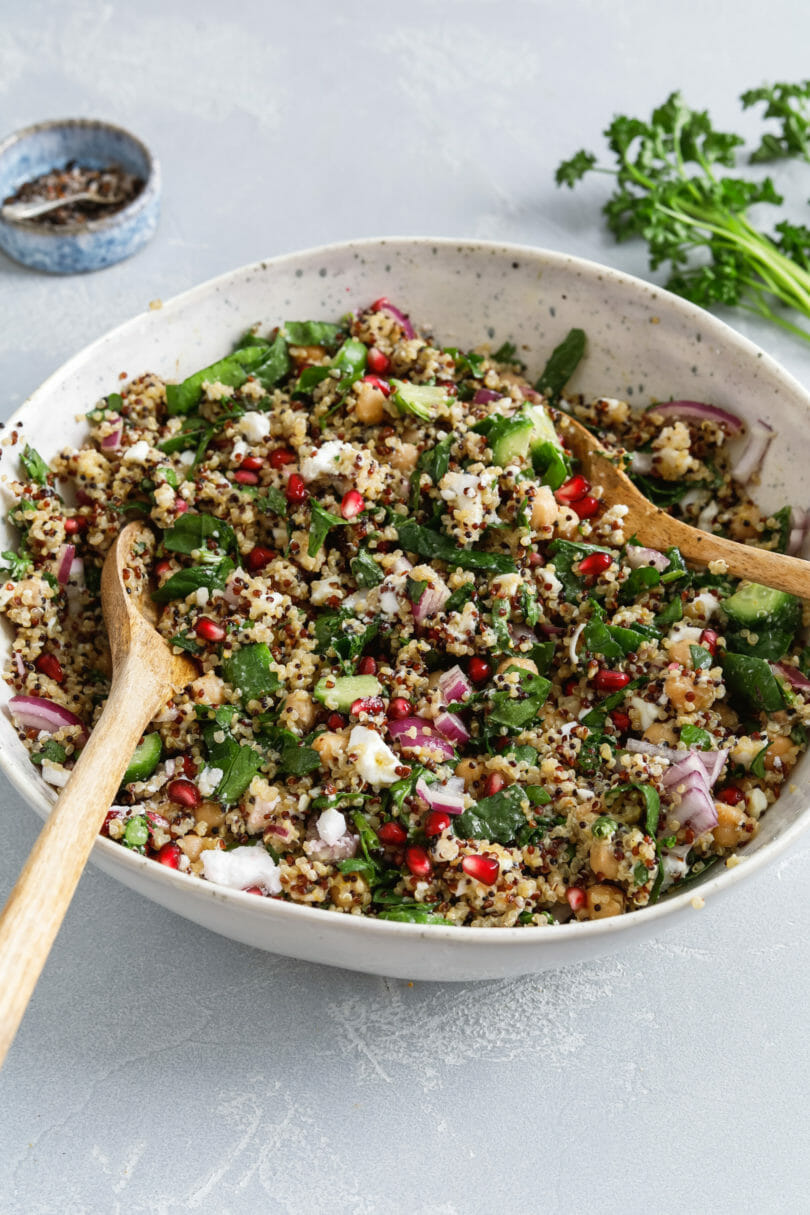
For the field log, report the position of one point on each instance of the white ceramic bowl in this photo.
(642, 343)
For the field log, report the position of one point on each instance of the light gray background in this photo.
(161, 1069)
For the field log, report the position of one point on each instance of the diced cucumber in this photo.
(145, 760)
(751, 683)
(419, 399)
(758, 607)
(510, 439)
(542, 426)
(339, 694)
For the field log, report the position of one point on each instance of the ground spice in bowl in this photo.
(113, 189)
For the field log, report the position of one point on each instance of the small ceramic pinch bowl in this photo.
(88, 245)
(643, 344)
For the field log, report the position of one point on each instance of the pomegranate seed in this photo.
(576, 897)
(209, 630)
(478, 670)
(594, 563)
(169, 856)
(246, 478)
(392, 834)
(259, 557)
(493, 784)
(367, 666)
(367, 704)
(76, 523)
(183, 792)
(586, 508)
(254, 890)
(382, 302)
(611, 681)
(378, 361)
(252, 463)
(709, 639)
(437, 822)
(351, 504)
(570, 687)
(280, 457)
(381, 385)
(189, 766)
(336, 721)
(535, 559)
(180, 506)
(731, 795)
(46, 664)
(418, 862)
(484, 869)
(572, 490)
(296, 491)
(620, 720)
(163, 567)
(399, 708)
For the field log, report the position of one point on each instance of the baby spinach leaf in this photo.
(566, 556)
(497, 818)
(312, 333)
(232, 370)
(562, 363)
(694, 736)
(701, 658)
(238, 762)
(181, 584)
(514, 713)
(434, 546)
(35, 467)
(321, 523)
(411, 913)
(365, 569)
(249, 670)
(190, 532)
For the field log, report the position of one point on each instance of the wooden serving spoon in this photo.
(656, 529)
(144, 674)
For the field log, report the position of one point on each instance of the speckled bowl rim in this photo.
(457, 938)
(105, 223)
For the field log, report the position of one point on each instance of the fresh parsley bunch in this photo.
(671, 191)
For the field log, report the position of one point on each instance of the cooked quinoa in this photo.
(435, 679)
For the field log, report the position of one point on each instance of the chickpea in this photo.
(732, 826)
(544, 509)
(369, 405)
(471, 772)
(567, 525)
(210, 813)
(193, 845)
(299, 712)
(686, 695)
(661, 732)
(603, 900)
(306, 354)
(209, 689)
(330, 746)
(525, 664)
(745, 524)
(404, 460)
(680, 652)
(781, 749)
(603, 862)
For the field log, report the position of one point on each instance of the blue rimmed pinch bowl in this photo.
(91, 244)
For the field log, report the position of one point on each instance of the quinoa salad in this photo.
(434, 679)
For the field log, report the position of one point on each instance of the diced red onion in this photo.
(415, 734)
(39, 713)
(441, 797)
(698, 411)
(454, 686)
(112, 441)
(432, 599)
(637, 556)
(484, 395)
(799, 522)
(711, 761)
(19, 664)
(640, 746)
(696, 808)
(531, 394)
(400, 317)
(793, 676)
(550, 630)
(751, 460)
(64, 560)
(684, 768)
(452, 727)
(328, 854)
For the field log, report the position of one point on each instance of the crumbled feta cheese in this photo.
(240, 449)
(703, 606)
(374, 759)
(326, 461)
(137, 453)
(55, 774)
(201, 595)
(208, 780)
(331, 826)
(647, 713)
(241, 868)
(745, 750)
(324, 589)
(755, 802)
(187, 458)
(254, 426)
(684, 632)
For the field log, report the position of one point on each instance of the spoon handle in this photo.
(37, 904)
(791, 574)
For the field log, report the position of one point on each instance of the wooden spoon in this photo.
(144, 674)
(656, 529)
